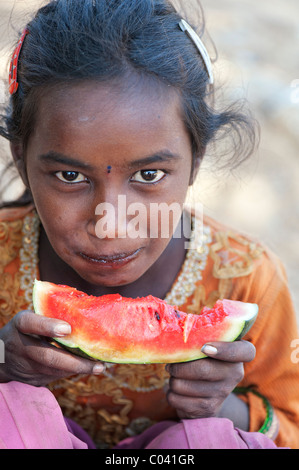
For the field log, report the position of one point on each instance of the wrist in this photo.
(236, 410)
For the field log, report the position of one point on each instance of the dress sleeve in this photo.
(274, 373)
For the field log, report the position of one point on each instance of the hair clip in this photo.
(200, 46)
(13, 70)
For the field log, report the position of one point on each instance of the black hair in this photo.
(75, 40)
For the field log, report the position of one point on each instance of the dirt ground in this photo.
(257, 45)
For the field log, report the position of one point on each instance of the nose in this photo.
(113, 221)
(118, 215)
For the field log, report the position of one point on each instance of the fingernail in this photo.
(209, 350)
(98, 369)
(62, 329)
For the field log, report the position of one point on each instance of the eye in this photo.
(148, 176)
(70, 176)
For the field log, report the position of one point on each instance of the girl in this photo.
(113, 98)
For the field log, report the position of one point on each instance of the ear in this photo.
(18, 156)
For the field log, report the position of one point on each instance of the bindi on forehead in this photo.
(109, 168)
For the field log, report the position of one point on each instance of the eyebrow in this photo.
(160, 156)
(56, 157)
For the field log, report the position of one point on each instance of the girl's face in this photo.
(91, 144)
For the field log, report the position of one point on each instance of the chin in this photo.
(109, 279)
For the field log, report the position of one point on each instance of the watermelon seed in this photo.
(157, 316)
(177, 313)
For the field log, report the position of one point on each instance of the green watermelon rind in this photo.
(238, 328)
(80, 351)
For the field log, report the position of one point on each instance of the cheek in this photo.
(58, 209)
(60, 230)
(61, 223)
(163, 219)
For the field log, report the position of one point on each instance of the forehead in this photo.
(134, 106)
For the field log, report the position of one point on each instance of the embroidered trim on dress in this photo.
(29, 256)
(193, 266)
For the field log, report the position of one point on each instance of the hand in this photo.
(31, 359)
(198, 389)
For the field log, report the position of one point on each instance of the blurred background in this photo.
(258, 59)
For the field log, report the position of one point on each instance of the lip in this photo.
(110, 261)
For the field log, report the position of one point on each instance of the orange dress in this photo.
(126, 399)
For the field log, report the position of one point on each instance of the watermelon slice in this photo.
(116, 329)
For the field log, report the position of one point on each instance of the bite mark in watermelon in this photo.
(117, 329)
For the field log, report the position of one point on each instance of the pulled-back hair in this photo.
(73, 40)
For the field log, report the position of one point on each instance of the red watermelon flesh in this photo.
(113, 328)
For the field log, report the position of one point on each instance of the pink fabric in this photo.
(204, 433)
(30, 418)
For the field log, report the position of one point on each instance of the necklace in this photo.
(193, 266)
(29, 256)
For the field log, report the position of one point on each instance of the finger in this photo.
(29, 323)
(53, 359)
(206, 370)
(237, 351)
(196, 370)
(196, 388)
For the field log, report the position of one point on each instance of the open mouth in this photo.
(115, 260)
